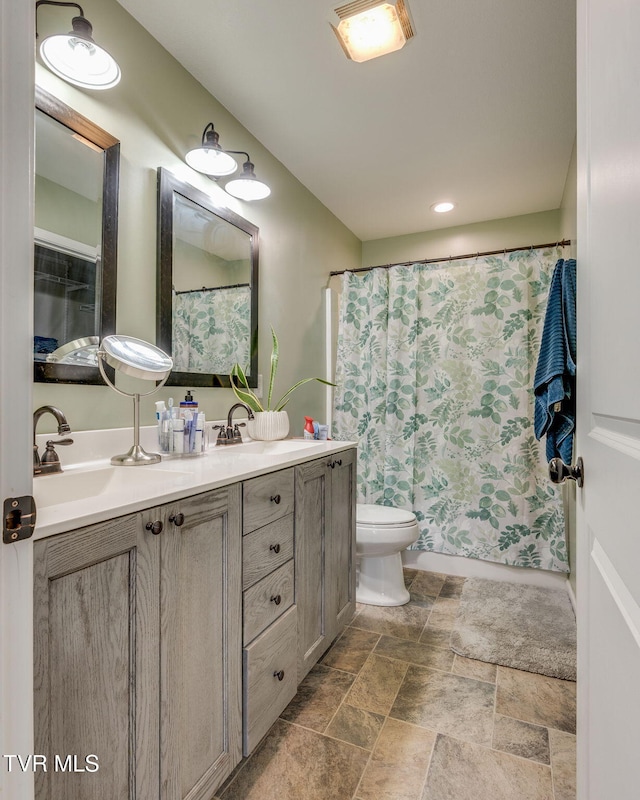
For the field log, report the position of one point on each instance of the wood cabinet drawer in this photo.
(266, 549)
(270, 678)
(266, 499)
(268, 599)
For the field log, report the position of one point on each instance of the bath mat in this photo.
(517, 625)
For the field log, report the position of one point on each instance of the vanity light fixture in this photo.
(75, 57)
(210, 158)
(442, 208)
(372, 28)
(215, 162)
(247, 186)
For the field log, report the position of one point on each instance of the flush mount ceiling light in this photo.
(75, 57)
(442, 208)
(215, 162)
(372, 28)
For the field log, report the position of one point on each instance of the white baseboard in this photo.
(475, 568)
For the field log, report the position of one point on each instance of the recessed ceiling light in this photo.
(442, 208)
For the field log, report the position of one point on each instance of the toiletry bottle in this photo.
(199, 439)
(178, 435)
(160, 410)
(308, 428)
(189, 403)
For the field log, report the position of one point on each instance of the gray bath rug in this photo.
(517, 625)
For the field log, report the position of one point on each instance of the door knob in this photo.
(559, 471)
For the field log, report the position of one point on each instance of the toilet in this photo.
(382, 532)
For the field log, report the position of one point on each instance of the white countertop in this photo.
(95, 491)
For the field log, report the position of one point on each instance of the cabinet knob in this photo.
(331, 464)
(279, 674)
(276, 598)
(177, 519)
(338, 461)
(275, 499)
(155, 527)
(275, 548)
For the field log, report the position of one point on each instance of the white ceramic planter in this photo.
(266, 426)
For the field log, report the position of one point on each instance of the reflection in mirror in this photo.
(76, 197)
(207, 286)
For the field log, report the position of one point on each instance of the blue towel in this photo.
(555, 378)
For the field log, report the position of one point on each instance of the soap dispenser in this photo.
(189, 402)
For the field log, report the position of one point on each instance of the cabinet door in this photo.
(96, 656)
(312, 488)
(201, 647)
(341, 543)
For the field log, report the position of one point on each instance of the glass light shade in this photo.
(247, 186)
(211, 161)
(371, 33)
(80, 61)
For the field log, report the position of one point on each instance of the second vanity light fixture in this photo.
(215, 162)
(75, 57)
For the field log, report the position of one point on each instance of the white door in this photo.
(16, 271)
(609, 399)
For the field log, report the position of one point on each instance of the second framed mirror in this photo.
(207, 307)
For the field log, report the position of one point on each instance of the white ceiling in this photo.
(478, 108)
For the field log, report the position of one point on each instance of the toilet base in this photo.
(381, 582)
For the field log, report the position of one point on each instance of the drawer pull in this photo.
(279, 674)
(155, 527)
(177, 519)
(275, 548)
(275, 499)
(276, 598)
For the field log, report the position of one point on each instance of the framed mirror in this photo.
(207, 292)
(76, 233)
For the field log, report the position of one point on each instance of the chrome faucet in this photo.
(231, 433)
(50, 463)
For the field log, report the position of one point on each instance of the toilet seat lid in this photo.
(370, 514)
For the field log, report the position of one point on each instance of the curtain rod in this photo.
(213, 288)
(563, 243)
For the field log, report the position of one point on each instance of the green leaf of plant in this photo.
(275, 355)
(285, 397)
(243, 392)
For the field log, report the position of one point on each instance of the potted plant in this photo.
(270, 422)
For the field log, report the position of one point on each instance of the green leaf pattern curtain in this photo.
(435, 371)
(211, 329)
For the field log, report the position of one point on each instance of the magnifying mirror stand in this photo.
(136, 456)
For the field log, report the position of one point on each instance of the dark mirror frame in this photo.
(168, 185)
(45, 372)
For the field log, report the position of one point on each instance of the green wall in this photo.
(462, 239)
(158, 112)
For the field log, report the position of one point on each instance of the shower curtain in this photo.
(211, 329)
(435, 370)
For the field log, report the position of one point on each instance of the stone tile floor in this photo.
(390, 713)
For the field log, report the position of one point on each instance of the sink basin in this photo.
(279, 447)
(76, 485)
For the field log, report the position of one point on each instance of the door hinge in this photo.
(19, 519)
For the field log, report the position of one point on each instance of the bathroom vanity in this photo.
(169, 637)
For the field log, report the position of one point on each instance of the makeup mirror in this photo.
(207, 314)
(76, 229)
